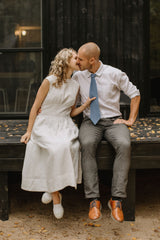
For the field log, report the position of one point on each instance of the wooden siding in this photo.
(117, 26)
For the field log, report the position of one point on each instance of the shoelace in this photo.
(118, 204)
(93, 204)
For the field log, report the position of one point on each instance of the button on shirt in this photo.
(110, 81)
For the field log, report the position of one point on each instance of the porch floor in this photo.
(30, 219)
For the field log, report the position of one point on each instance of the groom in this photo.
(104, 119)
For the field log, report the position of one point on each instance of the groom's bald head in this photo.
(90, 50)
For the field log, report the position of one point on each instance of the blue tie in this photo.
(94, 106)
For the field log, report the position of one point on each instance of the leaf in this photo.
(92, 225)
(97, 225)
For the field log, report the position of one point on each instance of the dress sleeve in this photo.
(51, 79)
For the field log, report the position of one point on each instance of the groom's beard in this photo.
(87, 67)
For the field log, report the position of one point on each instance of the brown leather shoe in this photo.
(116, 210)
(95, 210)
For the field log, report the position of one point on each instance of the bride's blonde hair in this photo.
(59, 66)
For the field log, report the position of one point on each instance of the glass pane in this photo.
(20, 23)
(20, 77)
(154, 55)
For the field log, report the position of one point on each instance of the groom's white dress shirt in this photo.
(110, 81)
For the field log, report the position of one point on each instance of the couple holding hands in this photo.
(57, 150)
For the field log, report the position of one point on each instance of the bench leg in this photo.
(4, 206)
(129, 202)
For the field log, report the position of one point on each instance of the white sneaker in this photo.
(58, 210)
(46, 198)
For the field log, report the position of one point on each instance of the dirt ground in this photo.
(31, 220)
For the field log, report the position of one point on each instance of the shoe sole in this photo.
(97, 219)
(109, 205)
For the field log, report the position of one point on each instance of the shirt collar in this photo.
(99, 71)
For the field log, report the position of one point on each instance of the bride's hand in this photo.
(25, 138)
(89, 100)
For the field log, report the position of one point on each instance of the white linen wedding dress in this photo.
(52, 157)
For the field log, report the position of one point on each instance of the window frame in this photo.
(44, 49)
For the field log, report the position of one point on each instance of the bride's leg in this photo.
(48, 197)
(57, 205)
(56, 197)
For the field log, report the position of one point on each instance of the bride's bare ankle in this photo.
(56, 198)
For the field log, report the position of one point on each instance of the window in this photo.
(154, 55)
(20, 55)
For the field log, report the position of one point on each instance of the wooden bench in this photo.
(145, 154)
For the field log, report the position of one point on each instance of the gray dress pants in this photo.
(118, 135)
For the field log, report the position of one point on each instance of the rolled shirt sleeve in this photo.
(127, 87)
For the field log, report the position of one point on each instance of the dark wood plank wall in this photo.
(117, 26)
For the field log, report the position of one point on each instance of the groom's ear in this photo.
(92, 60)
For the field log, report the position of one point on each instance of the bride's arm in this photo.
(41, 95)
(75, 111)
